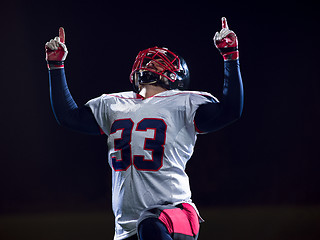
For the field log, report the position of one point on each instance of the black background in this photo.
(269, 157)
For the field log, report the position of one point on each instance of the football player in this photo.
(151, 132)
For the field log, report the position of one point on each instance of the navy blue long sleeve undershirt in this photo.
(213, 116)
(209, 117)
(65, 109)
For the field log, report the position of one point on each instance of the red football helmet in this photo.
(160, 66)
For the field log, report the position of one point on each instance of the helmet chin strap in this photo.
(161, 81)
(153, 82)
(149, 78)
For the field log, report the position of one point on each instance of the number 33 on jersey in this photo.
(123, 145)
(148, 134)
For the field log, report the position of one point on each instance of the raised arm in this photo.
(216, 115)
(65, 109)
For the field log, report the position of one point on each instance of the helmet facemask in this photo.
(157, 66)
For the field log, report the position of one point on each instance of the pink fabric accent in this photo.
(192, 217)
(184, 221)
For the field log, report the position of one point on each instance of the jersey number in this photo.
(155, 144)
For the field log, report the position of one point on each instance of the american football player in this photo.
(151, 133)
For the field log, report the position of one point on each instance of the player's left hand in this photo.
(226, 42)
(56, 51)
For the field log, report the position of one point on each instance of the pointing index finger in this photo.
(224, 23)
(62, 35)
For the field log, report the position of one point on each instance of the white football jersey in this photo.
(149, 143)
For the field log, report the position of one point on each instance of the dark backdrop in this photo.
(269, 157)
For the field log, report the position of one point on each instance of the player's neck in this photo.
(150, 90)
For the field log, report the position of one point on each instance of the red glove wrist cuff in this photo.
(231, 56)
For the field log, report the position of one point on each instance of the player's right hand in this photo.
(56, 51)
